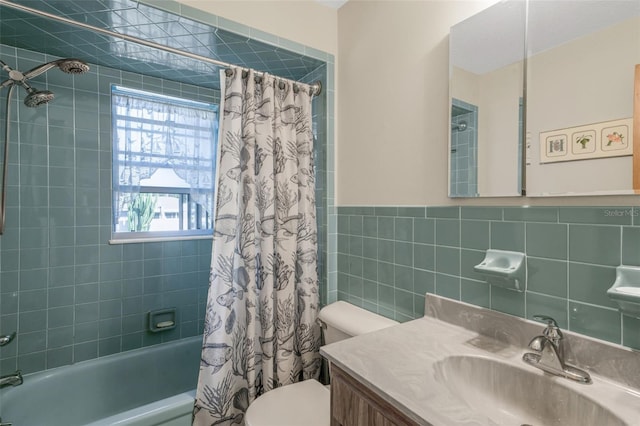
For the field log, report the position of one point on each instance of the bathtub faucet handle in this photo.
(5, 340)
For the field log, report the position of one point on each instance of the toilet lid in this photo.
(300, 404)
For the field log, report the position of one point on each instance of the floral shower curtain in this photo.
(260, 331)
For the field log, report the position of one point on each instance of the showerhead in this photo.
(73, 66)
(35, 98)
(460, 127)
(68, 65)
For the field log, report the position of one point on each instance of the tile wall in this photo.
(319, 111)
(324, 120)
(389, 257)
(69, 294)
(464, 150)
(164, 21)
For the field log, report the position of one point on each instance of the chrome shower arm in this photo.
(22, 83)
(8, 69)
(40, 69)
(5, 66)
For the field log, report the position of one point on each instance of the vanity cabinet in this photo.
(353, 404)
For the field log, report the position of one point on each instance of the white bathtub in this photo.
(143, 387)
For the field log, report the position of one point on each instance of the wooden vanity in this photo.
(353, 404)
(461, 364)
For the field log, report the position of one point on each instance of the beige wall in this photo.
(497, 95)
(393, 75)
(393, 106)
(500, 93)
(391, 146)
(303, 21)
(585, 81)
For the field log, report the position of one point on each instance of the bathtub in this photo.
(143, 387)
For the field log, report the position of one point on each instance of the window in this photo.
(163, 165)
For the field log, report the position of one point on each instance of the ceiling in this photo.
(334, 4)
(31, 32)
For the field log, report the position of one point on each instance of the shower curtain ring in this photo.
(317, 88)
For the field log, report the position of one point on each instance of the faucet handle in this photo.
(5, 340)
(544, 318)
(553, 330)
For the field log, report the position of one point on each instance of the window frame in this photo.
(119, 237)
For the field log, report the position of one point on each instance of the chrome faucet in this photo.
(5, 340)
(14, 379)
(549, 352)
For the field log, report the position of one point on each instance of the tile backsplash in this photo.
(389, 257)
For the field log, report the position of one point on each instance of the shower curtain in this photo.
(260, 331)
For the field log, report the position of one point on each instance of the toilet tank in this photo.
(343, 320)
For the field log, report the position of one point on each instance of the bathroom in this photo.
(387, 228)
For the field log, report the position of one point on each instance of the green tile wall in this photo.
(389, 257)
(324, 194)
(72, 297)
(69, 294)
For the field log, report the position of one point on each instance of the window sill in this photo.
(114, 241)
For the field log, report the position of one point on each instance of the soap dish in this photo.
(506, 269)
(162, 320)
(625, 291)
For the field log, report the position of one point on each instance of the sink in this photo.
(510, 395)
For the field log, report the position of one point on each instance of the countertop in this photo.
(399, 364)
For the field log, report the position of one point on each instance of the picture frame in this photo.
(555, 145)
(599, 140)
(583, 143)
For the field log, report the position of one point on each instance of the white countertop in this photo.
(398, 363)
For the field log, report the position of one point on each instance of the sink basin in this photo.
(509, 395)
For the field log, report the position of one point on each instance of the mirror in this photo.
(580, 88)
(486, 91)
(579, 73)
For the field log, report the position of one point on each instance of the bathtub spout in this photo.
(14, 379)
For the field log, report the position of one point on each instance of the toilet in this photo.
(308, 403)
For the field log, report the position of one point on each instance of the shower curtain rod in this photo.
(316, 88)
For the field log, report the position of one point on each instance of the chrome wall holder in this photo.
(5, 340)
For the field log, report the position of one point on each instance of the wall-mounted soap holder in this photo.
(506, 269)
(625, 291)
(162, 320)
